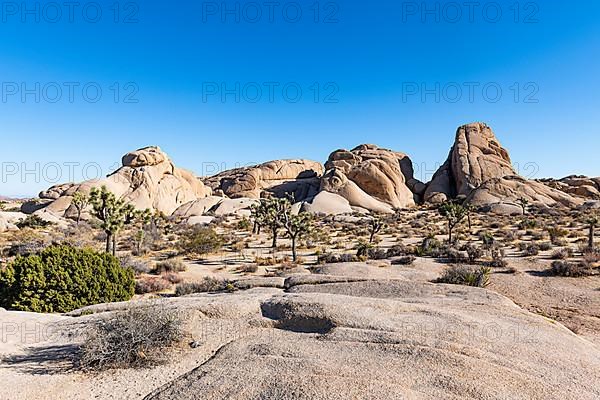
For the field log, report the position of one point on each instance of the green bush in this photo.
(201, 241)
(62, 278)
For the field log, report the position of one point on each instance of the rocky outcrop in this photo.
(147, 179)
(299, 178)
(576, 185)
(506, 192)
(372, 178)
(475, 158)
(9, 220)
(480, 169)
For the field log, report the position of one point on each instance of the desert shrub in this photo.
(556, 233)
(151, 285)
(529, 249)
(377, 254)
(487, 239)
(430, 246)
(363, 248)
(545, 246)
(172, 277)
(590, 256)
(466, 275)
(135, 338)
(62, 278)
(569, 269)
(244, 224)
(397, 250)
(449, 254)
(528, 224)
(170, 265)
(404, 260)
(25, 248)
(138, 266)
(208, 284)
(248, 268)
(330, 258)
(201, 241)
(562, 254)
(473, 252)
(32, 221)
(265, 261)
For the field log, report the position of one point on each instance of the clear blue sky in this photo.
(371, 58)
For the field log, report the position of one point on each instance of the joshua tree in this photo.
(454, 214)
(113, 214)
(2, 205)
(269, 213)
(523, 202)
(593, 223)
(376, 224)
(469, 209)
(80, 202)
(296, 226)
(143, 219)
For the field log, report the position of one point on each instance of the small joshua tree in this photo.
(113, 214)
(376, 224)
(454, 214)
(142, 219)
(523, 202)
(296, 226)
(80, 202)
(268, 213)
(2, 205)
(592, 224)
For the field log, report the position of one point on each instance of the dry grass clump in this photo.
(135, 338)
(170, 265)
(569, 269)
(207, 285)
(466, 275)
(151, 285)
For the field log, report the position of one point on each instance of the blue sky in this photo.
(369, 64)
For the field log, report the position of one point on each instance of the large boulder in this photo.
(475, 158)
(328, 203)
(372, 178)
(148, 179)
(299, 178)
(480, 169)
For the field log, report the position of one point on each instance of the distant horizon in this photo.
(528, 168)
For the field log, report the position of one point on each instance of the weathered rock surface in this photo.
(299, 178)
(576, 185)
(509, 189)
(349, 332)
(8, 220)
(385, 176)
(479, 168)
(475, 158)
(147, 179)
(328, 203)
